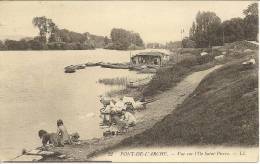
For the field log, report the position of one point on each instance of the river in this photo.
(35, 92)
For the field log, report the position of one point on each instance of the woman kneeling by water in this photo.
(129, 118)
(49, 138)
(126, 120)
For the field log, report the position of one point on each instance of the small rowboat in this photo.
(80, 66)
(70, 69)
(89, 64)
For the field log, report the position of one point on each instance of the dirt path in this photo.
(165, 104)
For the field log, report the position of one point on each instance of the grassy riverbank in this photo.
(167, 77)
(223, 110)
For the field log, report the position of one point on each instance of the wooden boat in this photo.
(80, 66)
(114, 66)
(89, 64)
(70, 69)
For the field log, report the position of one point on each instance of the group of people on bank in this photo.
(60, 138)
(118, 115)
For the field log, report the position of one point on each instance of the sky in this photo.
(155, 21)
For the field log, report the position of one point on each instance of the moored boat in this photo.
(82, 66)
(115, 65)
(90, 64)
(70, 69)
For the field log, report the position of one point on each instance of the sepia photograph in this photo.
(129, 81)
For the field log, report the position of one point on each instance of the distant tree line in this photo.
(122, 39)
(155, 45)
(52, 38)
(208, 30)
(168, 45)
(173, 45)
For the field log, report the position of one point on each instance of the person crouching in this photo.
(128, 120)
(49, 138)
(128, 117)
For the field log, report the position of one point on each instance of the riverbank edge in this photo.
(136, 92)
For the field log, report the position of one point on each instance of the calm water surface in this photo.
(35, 92)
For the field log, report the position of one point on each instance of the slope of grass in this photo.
(168, 76)
(223, 110)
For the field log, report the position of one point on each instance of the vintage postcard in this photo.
(129, 81)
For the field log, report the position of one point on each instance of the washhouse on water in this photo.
(149, 58)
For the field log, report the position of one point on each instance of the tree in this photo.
(252, 9)
(16, 45)
(251, 21)
(192, 30)
(97, 41)
(2, 45)
(46, 27)
(122, 39)
(206, 30)
(136, 39)
(173, 45)
(233, 30)
(36, 44)
(106, 41)
(188, 43)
